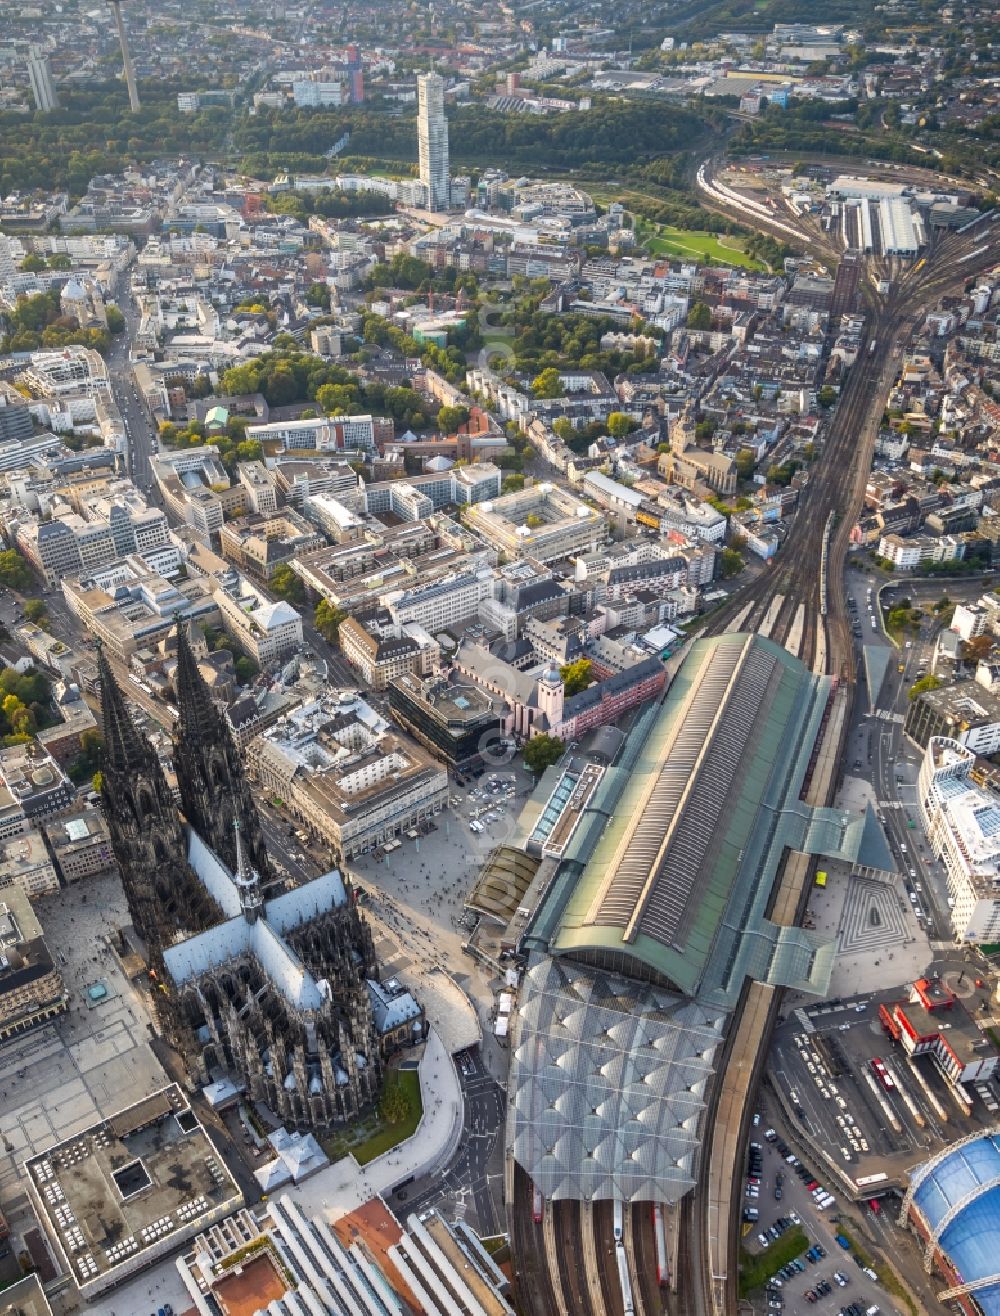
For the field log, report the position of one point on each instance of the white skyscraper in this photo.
(40, 77)
(432, 134)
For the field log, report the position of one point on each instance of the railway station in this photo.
(660, 910)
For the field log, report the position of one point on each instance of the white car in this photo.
(763, 1240)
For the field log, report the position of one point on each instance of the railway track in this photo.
(836, 489)
(554, 1261)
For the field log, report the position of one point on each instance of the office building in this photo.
(25, 863)
(31, 987)
(80, 844)
(270, 633)
(542, 522)
(341, 772)
(432, 140)
(40, 80)
(965, 711)
(120, 1195)
(279, 1261)
(962, 822)
(383, 650)
(450, 716)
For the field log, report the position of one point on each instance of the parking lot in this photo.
(812, 1273)
(858, 1097)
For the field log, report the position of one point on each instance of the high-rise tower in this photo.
(164, 898)
(133, 90)
(355, 75)
(432, 136)
(40, 77)
(215, 794)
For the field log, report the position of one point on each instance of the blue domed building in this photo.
(953, 1204)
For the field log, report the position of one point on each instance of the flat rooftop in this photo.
(119, 1189)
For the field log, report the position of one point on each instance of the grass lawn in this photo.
(663, 240)
(757, 1268)
(372, 1136)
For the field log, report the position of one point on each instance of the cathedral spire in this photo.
(124, 748)
(198, 715)
(211, 778)
(247, 882)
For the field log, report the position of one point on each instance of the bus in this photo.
(883, 1075)
(821, 878)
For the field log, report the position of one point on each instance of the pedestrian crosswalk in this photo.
(887, 715)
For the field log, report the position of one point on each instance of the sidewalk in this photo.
(343, 1187)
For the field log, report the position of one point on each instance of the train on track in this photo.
(660, 1237)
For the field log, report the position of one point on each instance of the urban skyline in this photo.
(499, 669)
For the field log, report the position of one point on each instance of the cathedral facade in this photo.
(276, 993)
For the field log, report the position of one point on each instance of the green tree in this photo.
(827, 396)
(97, 781)
(562, 428)
(88, 761)
(116, 321)
(928, 682)
(246, 669)
(451, 419)
(619, 424)
(287, 585)
(15, 573)
(547, 384)
(730, 563)
(36, 611)
(745, 462)
(512, 483)
(533, 521)
(699, 317)
(32, 263)
(328, 618)
(576, 676)
(541, 752)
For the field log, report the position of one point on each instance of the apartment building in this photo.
(261, 494)
(298, 478)
(35, 780)
(909, 553)
(68, 370)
